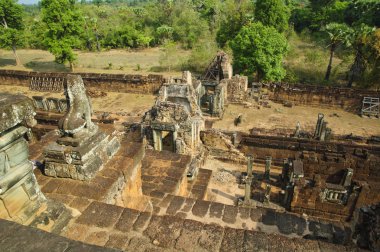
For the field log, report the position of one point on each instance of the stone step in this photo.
(127, 229)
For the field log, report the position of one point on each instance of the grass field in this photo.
(305, 62)
(113, 61)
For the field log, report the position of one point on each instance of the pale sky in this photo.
(28, 1)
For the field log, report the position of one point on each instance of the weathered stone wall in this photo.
(298, 144)
(346, 98)
(237, 88)
(125, 83)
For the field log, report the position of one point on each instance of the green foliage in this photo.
(188, 27)
(201, 56)
(339, 34)
(363, 11)
(260, 49)
(168, 58)
(301, 18)
(64, 28)
(235, 17)
(11, 26)
(318, 14)
(272, 13)
(126, 37)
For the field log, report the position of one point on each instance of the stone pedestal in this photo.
(20, 195)
(80, 159)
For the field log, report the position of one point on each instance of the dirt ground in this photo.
(223, 186)
(278, 116)
(135, 104)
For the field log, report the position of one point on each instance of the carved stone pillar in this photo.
(20, 195)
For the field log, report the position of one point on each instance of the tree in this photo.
(11, 29)
(363, 11)
(338, 34)
(235, 15)
(272, 13)
(260, 49)
(64, 28)
(361, 45)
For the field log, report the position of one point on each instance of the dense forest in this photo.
(259, 34)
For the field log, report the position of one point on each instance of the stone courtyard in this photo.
(208, 163)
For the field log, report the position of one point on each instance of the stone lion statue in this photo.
(78, 115)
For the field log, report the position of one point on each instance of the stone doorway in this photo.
(164, 140)
(168, 141)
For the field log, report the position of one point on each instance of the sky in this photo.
(28, 1)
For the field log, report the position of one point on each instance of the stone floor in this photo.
(163, 172)
(16, 237)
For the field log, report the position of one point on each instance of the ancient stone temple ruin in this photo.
(175, 121)
(82, 148)
(173, 172)
(20, 195)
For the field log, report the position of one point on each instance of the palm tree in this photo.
(360, 39)
(339, 34)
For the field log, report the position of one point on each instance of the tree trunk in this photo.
(329, 67)
(357, 68)
(97, 42)
(18, 61)
(71, 66)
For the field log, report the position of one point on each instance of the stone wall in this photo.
(346, 98)
(125, 83)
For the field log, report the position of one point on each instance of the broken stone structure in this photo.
(213, 94)
(82, 148)
(237, 88)
(20, 195)
(212, 98)
(175, 121)
(219, 86)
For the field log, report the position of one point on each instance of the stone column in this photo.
(323, 131)
(175, 134)
(285, 169)
(318, 128)
(267, 193)
(298, 130)
(249, 165)
(268, 162)
(234, 136)
(248, 181)
(157, 140)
